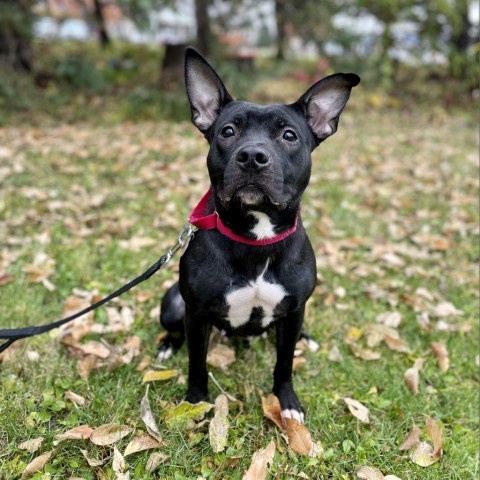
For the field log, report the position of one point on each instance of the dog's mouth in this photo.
(251, 196)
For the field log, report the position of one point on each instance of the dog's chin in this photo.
(250, 196)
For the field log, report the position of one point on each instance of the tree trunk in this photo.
(280, 17)
(203, 26)
(104, 37)
(15, 34)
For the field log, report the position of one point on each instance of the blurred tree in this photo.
(16, 34)
(446, 27)
(100, 19)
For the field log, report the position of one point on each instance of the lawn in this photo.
(392, 214)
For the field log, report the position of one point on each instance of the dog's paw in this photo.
(168, 347)
(295, 414)
(289, 403)
(195, 395)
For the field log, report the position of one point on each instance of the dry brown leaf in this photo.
(412, 378)
(435, 433)
(261, 460)
(155, 460)
(144, 296)
(81, 432)
(86, 365)
(78, 400)
(440, 351)
(369, 473)
(109, 433)
(37, 464)
(334, 355)
(144, 363)
(357, 409)
(31, 445)
(220, 356)
(273, 411)
(218, 428)
(299, 438)
(119, 466)
(93, 462)
(94, 348)
(298, 362)
(141, 443)
(365, 353)
(411, 440)
(389, 319)
(445, 309)
(397, 344)
(148, 419)
(161, 375)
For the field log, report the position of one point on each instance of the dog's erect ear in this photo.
(206, 93)
(324, 101)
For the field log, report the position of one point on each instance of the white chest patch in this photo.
(263, 228)
(256, 294)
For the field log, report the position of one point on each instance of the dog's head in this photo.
(260, 156)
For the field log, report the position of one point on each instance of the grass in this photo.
(389, 176)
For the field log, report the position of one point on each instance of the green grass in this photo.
(385, 177)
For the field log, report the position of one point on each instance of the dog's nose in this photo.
(253, 157)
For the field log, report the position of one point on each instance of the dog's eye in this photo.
(289, 136)
(227, 132)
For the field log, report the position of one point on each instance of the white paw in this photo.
(295, 414)
(164, 354)
(313, 346)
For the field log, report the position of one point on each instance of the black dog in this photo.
(251, 265)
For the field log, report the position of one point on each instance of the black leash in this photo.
(14, 334)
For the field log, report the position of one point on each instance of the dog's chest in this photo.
(258, 298)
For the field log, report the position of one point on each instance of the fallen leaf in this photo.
(185, 414)
(155, 460)
(397, 344)
(220, 356)
(435, 434)
(369, 473)
(144, 363)
(422, 454)
(261, 460)
(218, 428)
(37, 464)
(86, 365)
(353, 335)
(298, 362)
(389, 319)
(439, 349)
(412, 375)
(141, 443)
(365, 353)
(445, 309)
(109, 433)
(78, 400)
(148, 419)
(119, 466)
(31, 445)
(357, 409)
(273, 411)
(94, 348)
(78, 433)
(411, 440)
(161, 375)
(93, 462)
(334, 354)
(299, 438)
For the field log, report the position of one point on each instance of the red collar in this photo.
(211, 221)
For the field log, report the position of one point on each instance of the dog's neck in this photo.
(258, 224)
(247, 226)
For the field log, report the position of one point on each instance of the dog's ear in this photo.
(206, 93)
(324, 101)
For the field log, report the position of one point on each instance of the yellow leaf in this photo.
(218, 428)
(161, 375)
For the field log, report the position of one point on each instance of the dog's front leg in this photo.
(197, 331)
(288, 331)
